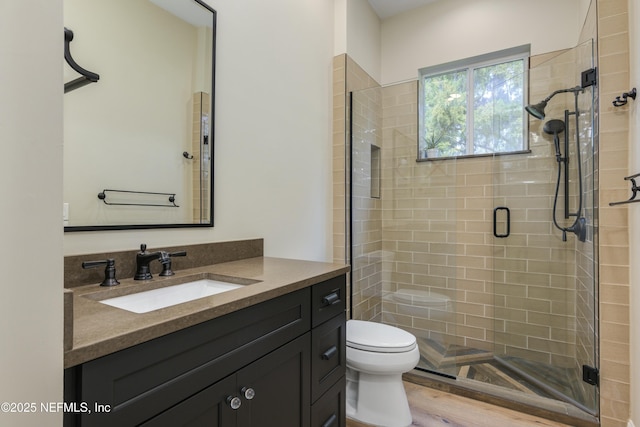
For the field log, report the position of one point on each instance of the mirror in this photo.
(138, 142)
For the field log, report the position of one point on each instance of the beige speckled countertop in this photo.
(99, 329)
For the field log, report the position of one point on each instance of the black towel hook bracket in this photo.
(87, 76)
(622, 99)
(634, 191)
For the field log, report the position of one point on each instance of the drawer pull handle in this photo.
(332, 298)
(330, 353)
(330, 421)
(234, 402)
(248, 392)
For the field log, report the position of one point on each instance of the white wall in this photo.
(340, 27)
(364, 37)
(634, 211)
(583, 8)
(445, 31)
(272, 135)
(31, 46)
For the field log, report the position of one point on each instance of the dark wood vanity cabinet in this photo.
(273, 388)
(279, 363)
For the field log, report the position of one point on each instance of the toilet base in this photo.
(377, 399)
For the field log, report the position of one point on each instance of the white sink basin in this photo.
(143, 302)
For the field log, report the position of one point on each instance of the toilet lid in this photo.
(377, 337)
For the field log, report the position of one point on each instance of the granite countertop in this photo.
(99, 329)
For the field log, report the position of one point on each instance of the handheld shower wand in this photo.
(555, 127)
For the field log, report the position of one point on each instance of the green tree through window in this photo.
(474, 106)
(445, 111)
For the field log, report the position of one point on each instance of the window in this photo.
(474, 106)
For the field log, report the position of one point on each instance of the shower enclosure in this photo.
(465, 252)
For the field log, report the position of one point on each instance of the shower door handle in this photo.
(495, 222)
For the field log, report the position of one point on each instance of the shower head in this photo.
(537, 110)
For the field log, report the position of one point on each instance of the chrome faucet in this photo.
(144, 258)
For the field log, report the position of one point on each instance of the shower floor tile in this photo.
(481, 365)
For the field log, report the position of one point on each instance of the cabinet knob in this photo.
(248, 392)
(234, 402)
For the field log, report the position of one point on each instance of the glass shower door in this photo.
(544, 243)
(403, 226)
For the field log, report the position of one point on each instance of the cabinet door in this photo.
(275, 388)
(208, 408)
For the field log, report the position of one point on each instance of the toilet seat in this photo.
(379, 338)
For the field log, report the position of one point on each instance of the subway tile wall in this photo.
(613, 65)
(349, 77)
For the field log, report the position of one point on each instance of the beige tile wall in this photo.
(613, 64)
(365, 266)
(338, 156)
(437, 232)
(367, 218)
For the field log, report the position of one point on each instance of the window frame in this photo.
(468, 65)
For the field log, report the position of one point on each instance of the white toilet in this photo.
(377, 356)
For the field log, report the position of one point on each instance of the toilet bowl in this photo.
(377, 356)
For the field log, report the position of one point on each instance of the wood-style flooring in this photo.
(434, 408)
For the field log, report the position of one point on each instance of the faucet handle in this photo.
(165, 259)
(109, 271)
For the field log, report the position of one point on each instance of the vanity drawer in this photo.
(328, 352)
(328, 299)
(330, 410)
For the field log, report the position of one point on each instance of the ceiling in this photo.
(388, 8)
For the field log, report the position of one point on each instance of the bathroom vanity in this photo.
(271, 353)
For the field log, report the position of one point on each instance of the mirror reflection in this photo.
(138, 142)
